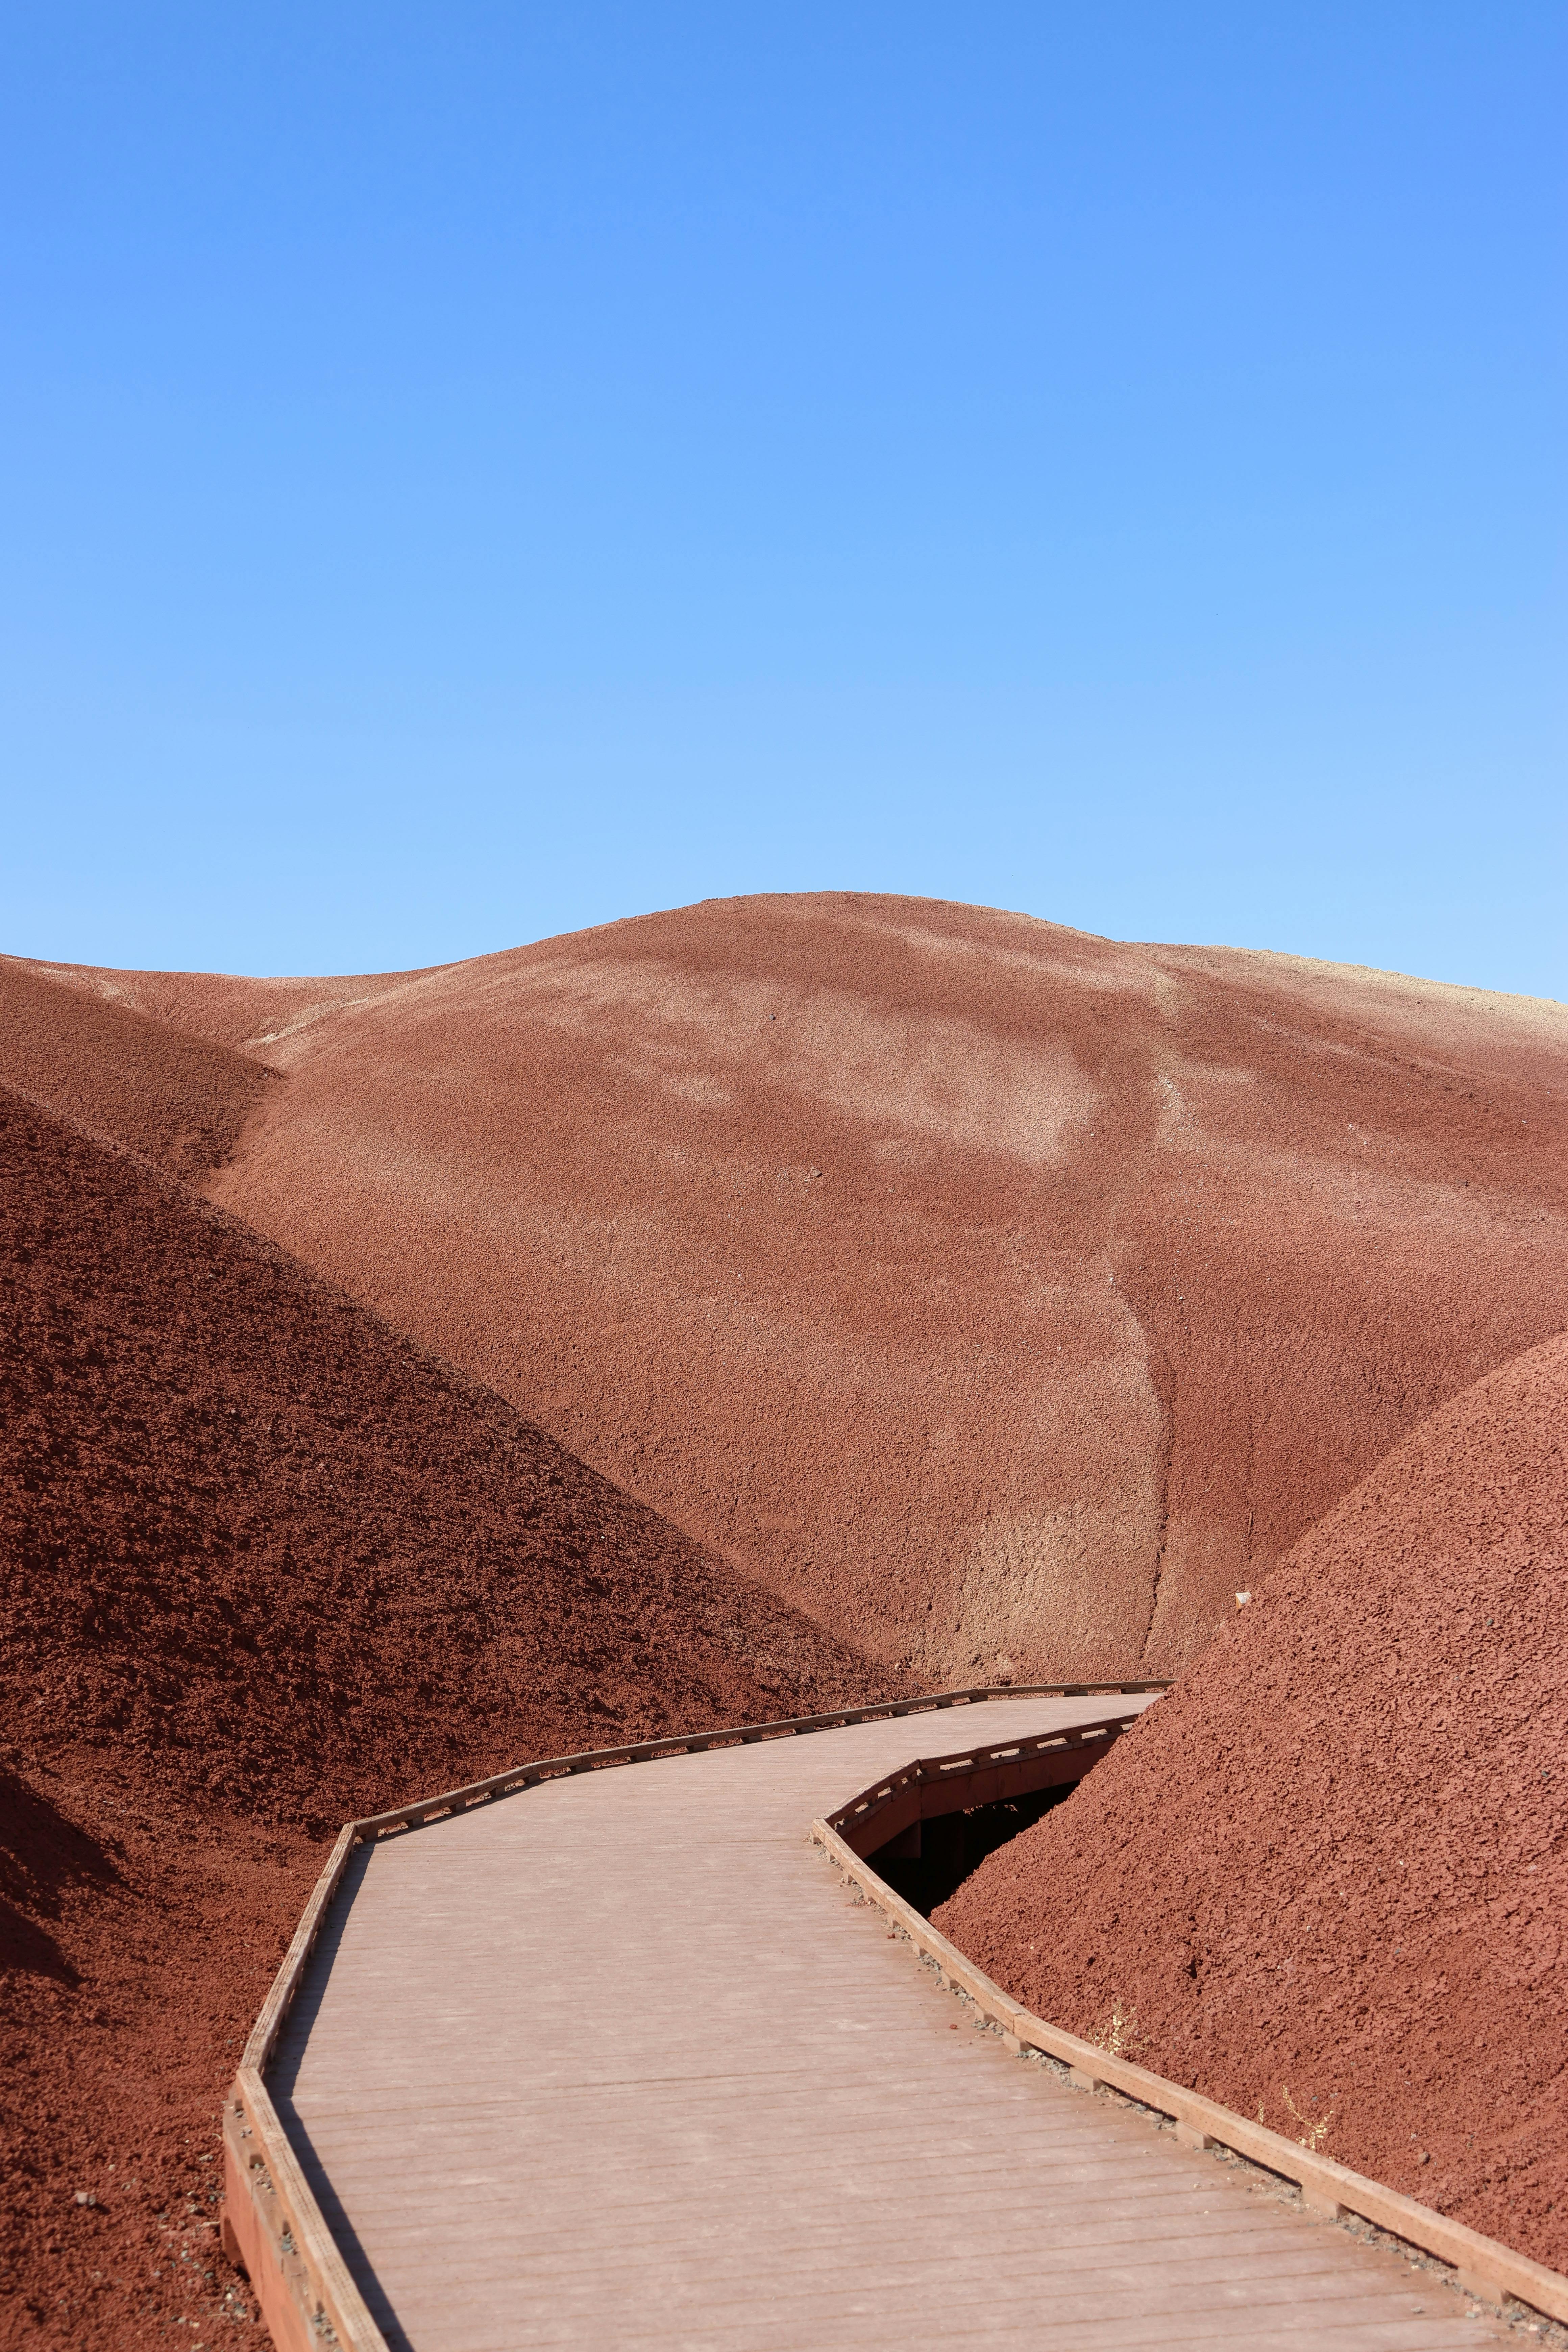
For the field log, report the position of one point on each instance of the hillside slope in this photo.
(1005, 1297)
(1327, 1878)
(223, 1008)
(178, 1096)
(263, 1564)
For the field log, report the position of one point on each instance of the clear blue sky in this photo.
(471, 471)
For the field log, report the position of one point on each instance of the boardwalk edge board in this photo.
(1486, 2268)
(982, 1774)
(274, 2226)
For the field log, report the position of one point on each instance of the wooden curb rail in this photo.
(272, 2222)
(682, 1743)
(274, 2225)
(1486, 2268)
(980, 1775)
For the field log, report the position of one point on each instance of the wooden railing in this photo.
(1485, 2267)
(272, 2221)
(982, 1775)
(693, 1743)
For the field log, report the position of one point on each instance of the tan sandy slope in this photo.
(1004, 1297)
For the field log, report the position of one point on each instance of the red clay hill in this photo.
(1005, 1297)
(1326, 1878)
(264, 1563)
(179, 1098)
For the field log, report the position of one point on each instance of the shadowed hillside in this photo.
(263, 1564)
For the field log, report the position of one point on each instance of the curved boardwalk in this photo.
(621, 2062)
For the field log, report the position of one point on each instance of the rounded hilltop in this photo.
(1003, 1296)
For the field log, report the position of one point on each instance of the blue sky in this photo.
(471, 471)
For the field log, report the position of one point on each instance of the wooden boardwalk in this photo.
(622, 2061)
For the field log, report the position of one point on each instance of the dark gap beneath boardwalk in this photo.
(932, 1861)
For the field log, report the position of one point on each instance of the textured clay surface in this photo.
(248, 1015)
(180, 1098)
(1001, 1297)
(1005, 1297)
(263, 1564)
(1325, 1880)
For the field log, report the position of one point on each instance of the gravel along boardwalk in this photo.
(620, 2060)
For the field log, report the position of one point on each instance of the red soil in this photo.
(1327, 1876)
(1005, 1297)
(248, 1014)
(264, 1564)
(180, 1098)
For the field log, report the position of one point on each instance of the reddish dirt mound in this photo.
(1327, 1878)
(226, 1009)
(262, 1564)
(179, 1098)
(1005, 1297)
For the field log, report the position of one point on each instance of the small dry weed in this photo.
(1119, 2036)
(1313, 2134)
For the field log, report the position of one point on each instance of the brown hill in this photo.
(1005, 1297)
(263, 1564)
(1327, 1876)
(182, 1098)
(249, 1015)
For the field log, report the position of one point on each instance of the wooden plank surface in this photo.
(620, 2061)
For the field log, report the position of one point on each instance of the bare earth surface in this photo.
(180, 1098)
(1003, 1296)
(999, 1299)
(1327, 1878)
(263, 1564)
(246, 1015)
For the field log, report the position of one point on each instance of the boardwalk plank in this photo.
(618, 2061)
